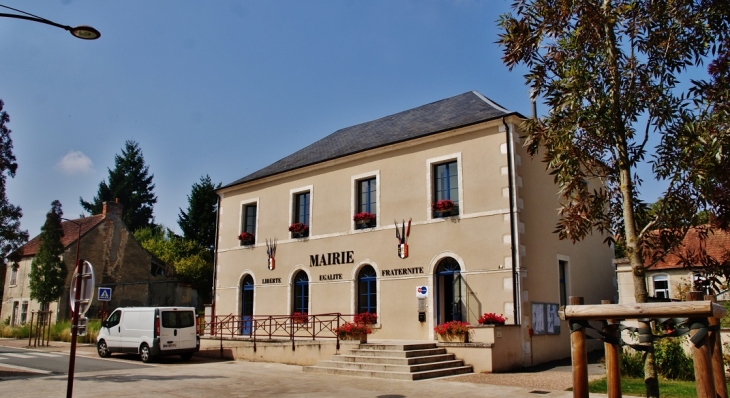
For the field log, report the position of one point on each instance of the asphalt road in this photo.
(53, 363)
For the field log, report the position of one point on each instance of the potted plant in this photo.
(491, 318)
(354, 331)
(300, 317)
(364, 218)
(366, 318)
(246, 238)
(298, 229)
(454, 331)
(443, 206)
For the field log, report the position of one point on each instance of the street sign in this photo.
(87, 288)
(105, 294)
(421, 291)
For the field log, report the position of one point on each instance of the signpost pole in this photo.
(74, 328)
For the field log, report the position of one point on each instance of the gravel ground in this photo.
(546, 380)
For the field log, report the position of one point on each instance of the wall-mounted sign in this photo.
(545, 319)
(316, 260)
(330, 277)
(421, 291)
(401, 271)
(267, 281)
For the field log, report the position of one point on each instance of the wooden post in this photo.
(613, 374)
(718, 364)
(579, 355)
(701, 355)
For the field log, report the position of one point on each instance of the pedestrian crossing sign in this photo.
(105, 294)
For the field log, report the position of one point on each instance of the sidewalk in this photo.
(267, 379)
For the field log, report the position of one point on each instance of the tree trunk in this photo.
(627, 190)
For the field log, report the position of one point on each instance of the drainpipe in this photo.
(215, 258)
(512, 227)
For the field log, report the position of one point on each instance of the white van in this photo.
(149, 332)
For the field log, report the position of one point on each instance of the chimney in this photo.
(112, 209)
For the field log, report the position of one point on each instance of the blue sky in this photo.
(225, 87)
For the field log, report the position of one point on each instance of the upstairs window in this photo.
(366, 203)
(301, 213)
(14, 274)
(445, 189)
(661, 286)
(248, 224)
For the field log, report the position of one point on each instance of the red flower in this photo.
(490, 318)
(300, 317)
(366, 318)
(298, 227)
(443, 205)
(246, 236)
(453, 327)
(350, 329)
(364, 216)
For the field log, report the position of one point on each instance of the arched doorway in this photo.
(246, 304)
(301, 293)
(449, 291)
(367, 293)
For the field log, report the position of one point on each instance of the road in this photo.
(54, 363)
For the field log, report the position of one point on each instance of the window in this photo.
(177, 319)
(248, 223)
(24, 312)
(14, 274)
(661, 286)
(113, 319)
(301, 293)
(301, 212)
(446, 187)
(366, 201)
(367, 293)
(563, 284)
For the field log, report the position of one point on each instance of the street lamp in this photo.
(75, 318)
(82, 31)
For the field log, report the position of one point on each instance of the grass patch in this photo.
(60, 331)
(634, 386)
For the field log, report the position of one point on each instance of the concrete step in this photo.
(392, 368)
(429, 374)
(398, 346)
(372, 352)
(394, 360)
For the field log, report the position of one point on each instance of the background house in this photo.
(136, 277)
(670, 278)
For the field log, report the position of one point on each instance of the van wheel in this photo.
(102, 349)
(186, 357)
(144, 353)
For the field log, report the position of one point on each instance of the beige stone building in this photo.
(493, 251)
(135, 276)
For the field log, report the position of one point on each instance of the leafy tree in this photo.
(11, 236)
(198, 223)
(47, 271)
(131, 183)
(192, 262)
(601, 67)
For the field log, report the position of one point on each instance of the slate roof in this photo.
(70, 233)
(717, 246)
(447, 114)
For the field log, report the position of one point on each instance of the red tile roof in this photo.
(70, 233)
(716, 244)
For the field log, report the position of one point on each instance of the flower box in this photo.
(366, 318)
(454, 338)
(247, 238)
(443, 206)
(453, 332)
(364, 218)
(354, 331)
(300, 318)
(491, 318)
(299, 230)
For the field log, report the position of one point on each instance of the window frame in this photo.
(244, 205)
(660, 278)
(294, 194)
(431, 165)
(563, 279)
(356, 204)
(14, 274)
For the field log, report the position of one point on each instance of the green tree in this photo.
(198, 223)
(601, 67)
(192, 262)
(47, 271)
(11, 236)
(131, 183)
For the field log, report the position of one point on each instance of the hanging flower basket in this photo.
(247, 238)
(443, 206)
(298, 229)
(363, 218)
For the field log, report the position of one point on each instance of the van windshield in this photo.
(177, 319)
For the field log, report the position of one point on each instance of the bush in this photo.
(672, 361)
(631, 363)
(60, 331)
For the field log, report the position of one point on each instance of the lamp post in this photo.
(75, 315)
(81, 31)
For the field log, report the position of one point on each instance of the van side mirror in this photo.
(104, 324)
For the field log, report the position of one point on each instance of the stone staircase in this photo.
(405, 361)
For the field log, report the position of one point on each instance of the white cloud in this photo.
(75, 162)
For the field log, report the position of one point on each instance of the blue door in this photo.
(449, 290)
(246, 305)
